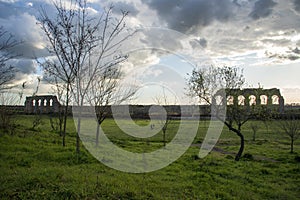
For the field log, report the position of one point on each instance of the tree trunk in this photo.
(79, 127)
(242, 145)
(292, 145)
(77, 135)
(254, 135)
(61, 121)
(164, 137)
(66, 116)
(97, 134)
(239, 154)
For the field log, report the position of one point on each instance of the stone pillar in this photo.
(28, 105)
(235, 100)
(270, 100)
(281, 104)
(247, 100)
(42, 105)
(257, 100)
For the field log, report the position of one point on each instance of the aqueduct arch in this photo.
(255, 96)
(42, 104)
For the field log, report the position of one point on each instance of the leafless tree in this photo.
(37, 120)
(290, 126)
(84, 48)
(164, 121)
(7, 120)
(255, 127)
(57, 119)
(205, 84)
(7, 72)
(106, 91)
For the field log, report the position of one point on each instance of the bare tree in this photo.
(57, 119)
(37, 120)
(7, 72)
(62, 38)
(7, 120)
(290, 126)
(255, 127)
(164, 121)
(206, 83)
(84, 48)
(106, 91)
(75, 39)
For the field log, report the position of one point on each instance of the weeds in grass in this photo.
(38, 167)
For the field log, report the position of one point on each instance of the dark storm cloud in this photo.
(19, 19)
(292, 54)
(6, 10)
(296, 51)
(202, 42)
(124, 6)
(24, 29)
(20, 7)
(262, 9)
(23, 66)
(187, 16)
(297, 5)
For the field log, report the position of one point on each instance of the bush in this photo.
(7, 121)
(248, 156)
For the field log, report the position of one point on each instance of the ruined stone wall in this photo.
(42, 104)
(256, 96)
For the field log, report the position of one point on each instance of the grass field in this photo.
(34, 165)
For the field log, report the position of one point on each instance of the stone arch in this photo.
(34, 102)
(263, 99)
(218, 100)
(230, 100)
(256, 96)
(241, 100)
(51, 102)
(252, 100)
(275, 100)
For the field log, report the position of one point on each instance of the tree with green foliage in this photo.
(206, 84)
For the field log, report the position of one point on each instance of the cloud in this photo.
(198, 42)
(24, 28)
(262, 9)
(125, 6)
(297, 5)
(23, 66)
(7, 10)
(292, 54)
(203, 42)
(190, 15)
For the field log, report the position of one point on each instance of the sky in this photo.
(260, 36)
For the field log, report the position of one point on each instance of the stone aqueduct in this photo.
(250, 96)
(42, 104)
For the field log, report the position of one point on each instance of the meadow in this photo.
(34, 165)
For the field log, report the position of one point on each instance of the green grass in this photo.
(34, 165)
